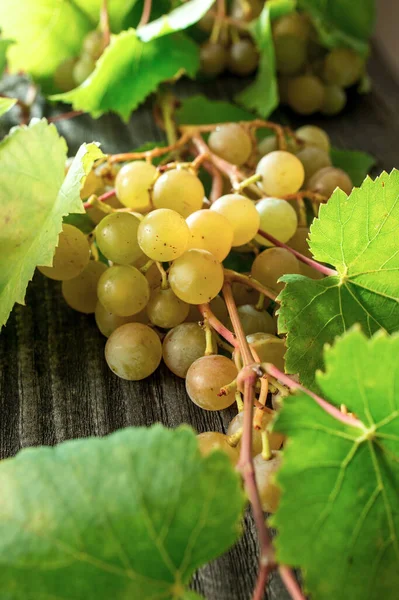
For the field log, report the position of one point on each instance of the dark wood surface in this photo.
(54, 382)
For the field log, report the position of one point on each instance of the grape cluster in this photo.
(72, 72)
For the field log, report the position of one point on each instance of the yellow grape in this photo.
(182, 346)
(343, 67)
(133, 184)
(107, 321)
(196, 277)
(265, 471)
(282, 173)
(242, 214)
(209, 441)
(210, 230)
(314, 136)
(123, 290)
(272, 264)
(231, 142)
(313, 159)
(180, 190)
(204, 379)
(165, 309)
(278, 218)
(299, 242)
(163, 235)
(80, 293)
(326, 180)
(254, 320)
(275, 439)
(306, 94)
(116, 236)
(71, 256)
(133, 351)
(269, 348)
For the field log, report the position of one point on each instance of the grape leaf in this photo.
(338, 517)
(356, 164)
(199, 110)
(358, 236)
(129, 70)
(6, 104)
(180, 18)
(34, 198)
(4, 45)
(131, 515)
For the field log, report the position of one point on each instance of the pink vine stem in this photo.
(64, 116)
(104, 23)
(290, 583)
(214, 322)
(102, 198)
(145, 15)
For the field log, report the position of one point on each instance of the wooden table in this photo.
(54, 382)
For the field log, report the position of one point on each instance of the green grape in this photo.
(314, 136)
(275, 439)
(116, 236)
(213, 58)
(290, 52)
(107, 321)
(243, 57)
(326, 180)
(269, 348)
(273, 263)
(196, 276)
(209, 441)
(71, 256)
(132, 184)
(93, 185)
(232, 143)
(218, 307)
(278, 218)
(267, 145)
(294, 24)
(165, 309)
(83, 68)
(242, 214)
(265, 471)
(204, 379)
(334, 100)
(123, 290)
(210, 230)
(180, 190)
(80, 293)
(63, 76)
(299, 242)
(343, 67)
(96, 214)
(133, 351)
(282, 173)
(313, 159)
(93, 44)
(306, 94)
(182, 346)
(254, 320)
(246, 10)
(163, 235)
(244, 294)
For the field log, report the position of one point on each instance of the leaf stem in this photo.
(145, 15)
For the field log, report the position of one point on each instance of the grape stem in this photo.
(64, 116)
(212, 319)
(307, 261)
(218, 22)
(149, 154)
(290, 582)
(101, 198)
(164, 277)
(104, 23)
(313, 196)
(231, 21)
(249, 282)
(217, 181)
(145, 15)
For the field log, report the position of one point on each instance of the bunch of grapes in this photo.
(72, 72)
(163, 244)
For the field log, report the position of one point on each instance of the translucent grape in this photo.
(275, 439)
(254, 320)
(182, 346)
(269, 348)
(107, 322)
(163, 235)
(267, 145)
(232, 143)
(278, 218)
(132, 184)
(93, 185)
(314, 136)
(242, 214)
(83, 68)
(334, 100)
(343, 67)
(213, 58)
(243, 57)
(180, 190)
(196, 276)
(123, 290)
(290, 52)
(133, 351)
(63, 76)
(299, 242)
(93, 44)
(210, 230)
(116, 236)
(265, 471)
(210, 441)
(273, 263)
(306, 94)
(71, 256)
(246, 11)
(165, 309)
(282, 173)
(313, 159)
(80, 293)
(328, 179)
(294, 24)
(204, 379)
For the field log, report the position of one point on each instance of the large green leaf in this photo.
(129, 70)
(338, 517)
(357, 164)
(199, 110)
(129, 516)
(358, 236)
(33, 199)
(178, 19)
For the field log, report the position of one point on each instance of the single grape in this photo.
(63, 76)
(196, 276)
(93, 44)
(246, 11)
(314, 136)
(133, 351)
(71, 256)
(180, 190)
(83, 68)
(267, 145)
(209, 441)
(306, 94)
(269, 348)
(273, 263)
(334, 100)
(231, 142)
(265, 471)
(244, 294)
(299, 242)
(210, 230)
(123, 290)
(204, 379)
(326, 180)
(182, 346)
(282, 173)
(278, 218)
(93, 185)
(254, 320)
(165, 309)
(294, 24)
(290, 52)
(243, 57)
(116, 236)
(163, 235)
(242, 214)
(80, 293)
(213, 58)
(313, 159)
(133, 183)
(275, 439)
(343, 67)
(218, 307)
(107, 321)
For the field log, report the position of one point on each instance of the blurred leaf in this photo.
(4, 45)
(199, 110)
(357, 164)
(180, 18)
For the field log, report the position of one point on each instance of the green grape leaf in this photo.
(4, 45)
(261, 96)
(356, 164)
(6, 104)
(180, 18)
(130, 70)
(199, 110)
(132, 515)
(338, 517)
(34, 198)
(342, 23)
(357, 234)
